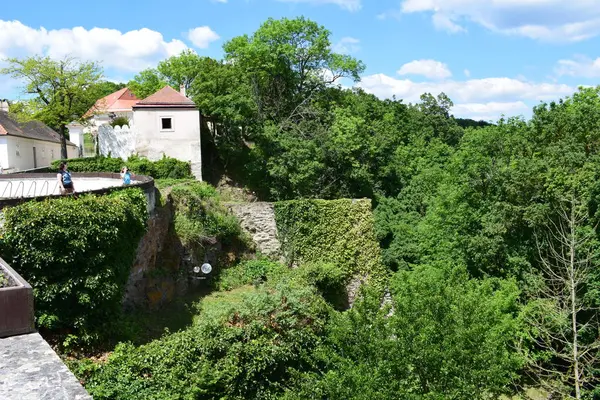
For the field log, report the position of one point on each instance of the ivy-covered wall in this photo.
(331, 231)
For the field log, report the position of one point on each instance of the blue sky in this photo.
(491, 57)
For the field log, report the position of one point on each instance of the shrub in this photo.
(164, 168)
(77, 255)
(168, 182)
(199, 215)
(244, 345)
(250, 272)
(119, 121)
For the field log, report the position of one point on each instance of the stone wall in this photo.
(258, 220)
(118, 141)
(154, 278)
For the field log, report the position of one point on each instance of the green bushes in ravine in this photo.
(245, 343)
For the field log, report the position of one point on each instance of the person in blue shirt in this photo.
(65, 181)
(126, 176)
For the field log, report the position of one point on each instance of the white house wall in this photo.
(19, 153)
(3, 153)
(181, 142)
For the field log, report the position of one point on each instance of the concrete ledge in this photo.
(16, 305)
(146, 183)
(31, 370)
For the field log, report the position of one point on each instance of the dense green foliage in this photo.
(449, 337)
(165, 168)
(200, 218)
(77, 255)
(278, 338)
(339, 232)
(244, 344)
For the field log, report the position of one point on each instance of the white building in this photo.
(165, 123)
(117, 104)
(28, 145)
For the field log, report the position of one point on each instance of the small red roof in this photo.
(121, 100)
(166, 97)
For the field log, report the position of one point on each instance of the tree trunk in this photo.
(573, 293)
(63, 142)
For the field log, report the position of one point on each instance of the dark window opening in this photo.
(166, 123)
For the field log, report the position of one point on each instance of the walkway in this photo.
(31, 370)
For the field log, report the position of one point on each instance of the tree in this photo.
(147, 82)
(448, 337)
(564, 323)
(286, 62)
(60, 88)
(182, 69)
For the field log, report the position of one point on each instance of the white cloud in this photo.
(467, 73)
(347, 45)
(428, 68)
(125, 51)
(581, 66)
(476, 98)
(490, 111)
(549, 20)
(202, 36)
(350, 5)
(444, 23)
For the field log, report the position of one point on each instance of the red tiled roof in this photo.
(121, 100)
(166, 97)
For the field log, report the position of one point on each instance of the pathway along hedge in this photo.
(164, 168)
(77, 254)
(331, 231)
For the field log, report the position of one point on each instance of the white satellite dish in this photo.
(196, 269)
(206, 268)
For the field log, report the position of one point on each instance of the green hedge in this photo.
(164, 168)
(340, 232)
(77, 255)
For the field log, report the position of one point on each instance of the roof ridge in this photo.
(166, 96)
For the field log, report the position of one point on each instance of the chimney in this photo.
(182, 90)
(4, 105)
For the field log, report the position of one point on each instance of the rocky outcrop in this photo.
(154, 279)
(258, 220)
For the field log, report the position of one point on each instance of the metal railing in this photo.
(9, 193)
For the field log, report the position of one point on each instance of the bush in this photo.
(200, 216)
(250, 272)
(120, 121)
(244, 345)
(165, 168)
(77, 255)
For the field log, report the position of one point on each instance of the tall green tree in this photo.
(146, 83)
(287, 61)
(183, 68)
(60, 88)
